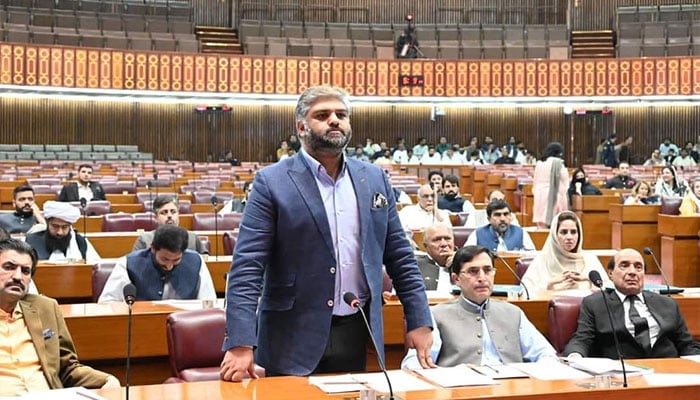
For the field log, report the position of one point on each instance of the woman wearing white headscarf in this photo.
(561, 264)
(549, 186)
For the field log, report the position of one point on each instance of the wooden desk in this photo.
(636, 227)
(294, 388)
(594, 215)
(117, 244)
(679, 249)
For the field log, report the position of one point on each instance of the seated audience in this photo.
(561, 264)
(649, 325)
(505, 335)
(581, 186)
(37, 351)
(505, 158)
(27, 214)
(84, 188)
(684, 160)
(359, 154)
(622, 180)
(435, 263)
(691, 202)
(451, 200)
(435, 179)
(167, 270)
(655, 159)
(641, 194)
(500, 234)
(59, 242)
(668, 184)
(238, 205)
(479, 217)
(475, 158)
(167, 211)
(419, 216)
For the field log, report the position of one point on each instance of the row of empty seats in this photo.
(658, 39)
(177, 8)
(107, 22)
(73, 155)
(665, 12)
(128, 148)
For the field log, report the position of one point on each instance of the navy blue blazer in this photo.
(284, 257)
(594, 336)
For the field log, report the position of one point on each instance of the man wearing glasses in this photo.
(475, 329)
(424, 214)
(500, 234)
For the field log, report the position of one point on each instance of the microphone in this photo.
(512, 271)
(83, 204)
(214, 203)
(648, 252)
(129, 297)
(352, 300)
(597, 281)
(155, 182)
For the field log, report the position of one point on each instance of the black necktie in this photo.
(641, 326)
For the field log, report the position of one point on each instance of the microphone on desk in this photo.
(597, 281)
(352, 300)
(83, 204)
(129, 298)
(214, 203)
(648, 252)
(155, 182)
(512, 271)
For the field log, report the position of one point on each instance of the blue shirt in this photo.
(340, 201)
(532, 343)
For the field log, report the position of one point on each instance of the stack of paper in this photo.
(460, 375)
(401, 381)
(547, 370)
(607, 366)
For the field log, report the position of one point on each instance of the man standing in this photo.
(503, 332)
(622, 180)
(167, 270)
(167, 211)
(27, 213)
(317, 226)
(59, 242)
(648, 325)
(84, 188)
(451, 199)
(424, 214)
(37, 349)
(608, 157)
(500, 234)
(435, 263)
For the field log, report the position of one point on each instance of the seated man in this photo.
(84, 188)
(167, 212)
(454, 322)
(37, 350)
(500, 234)
(451, 199)
(424, 214)
(27, 213)
(622, 180)
(237, 205)
(648, 325)
(479, 217)
(167, 270)
(59, 241)
(434, 264)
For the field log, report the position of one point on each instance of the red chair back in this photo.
(118, 223)
(100, 274)
(230, 238)
(226, 222)
(563, 320)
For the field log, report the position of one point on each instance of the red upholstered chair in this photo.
(142, 181)
(100, 274)
(184, 206)
(118, 223)
(670, 205)
(43, 189)
(204, 197)
(119, 187)
(461, 233)
(230, 238)
(205, 243)
(142, 197)
(43, 181)
(563, 319)
(205, 221)
(145, 221)
(521, 266)
(194, 344)
(387, 284)
(97, 207)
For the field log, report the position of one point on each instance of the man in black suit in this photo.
(84, 188)
(648, 324)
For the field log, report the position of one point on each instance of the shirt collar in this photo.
(16, 313)
(318, 170)
(623, 296)
(473, 307)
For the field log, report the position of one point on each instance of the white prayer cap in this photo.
(61, 210)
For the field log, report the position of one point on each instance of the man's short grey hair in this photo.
(313, 94)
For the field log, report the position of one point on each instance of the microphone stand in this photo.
(155, 182)
(149, 186)
(512, 271)
(130, 297)
(83, 203)
(214, 203)
(599, 283)
(648, 251)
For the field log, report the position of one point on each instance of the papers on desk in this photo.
(572, 293)
(695, 358)
(549, 370)
(190, 305)
(606, 366)
(400, 381)
(672, 379)
(461, 375)
(500, 371)
(75, 393)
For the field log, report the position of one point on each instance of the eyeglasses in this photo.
(624, 266)
(474, 271)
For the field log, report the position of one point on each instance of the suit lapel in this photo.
(305, 182)
(362, 193)
(35, 328)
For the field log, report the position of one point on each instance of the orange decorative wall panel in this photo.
(31, 65)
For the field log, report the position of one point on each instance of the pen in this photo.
(473, 368)
(492, 369)
(344, 383)
(87, 396)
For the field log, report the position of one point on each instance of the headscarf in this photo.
(61, 210)
(554, 257)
